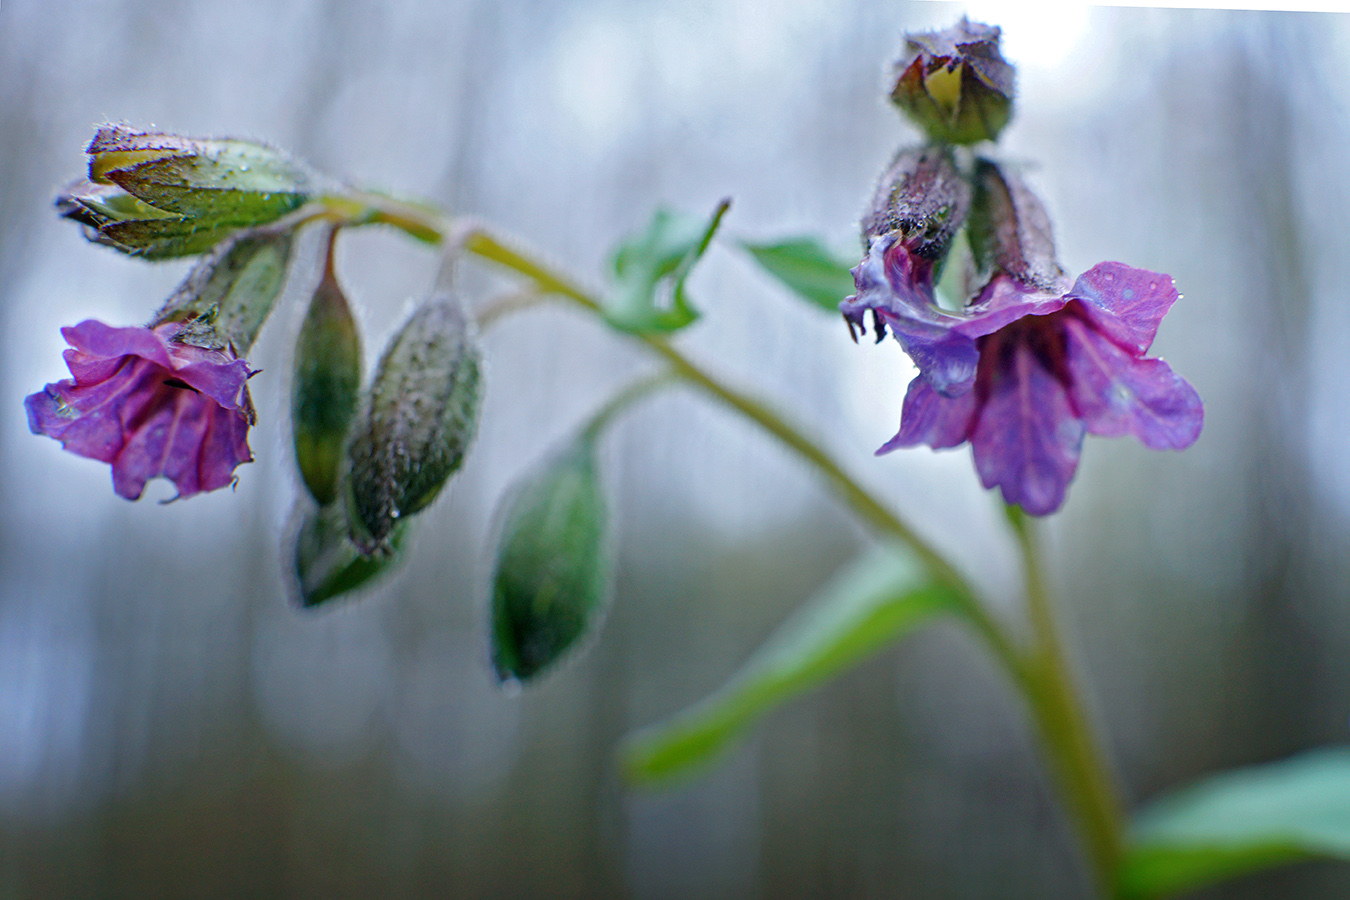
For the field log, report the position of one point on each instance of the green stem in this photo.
(630, 394)
(1077, 762)
(1040, 672)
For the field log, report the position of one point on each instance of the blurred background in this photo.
(172, 725)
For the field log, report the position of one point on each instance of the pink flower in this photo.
(150, 405)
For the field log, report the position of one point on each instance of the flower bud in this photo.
(216, 183)
(417, 421)
(1010, 230)
(955, 84)
(552, 569)
(326, 383)
(328, 564)
(230, 292)
(116, 219)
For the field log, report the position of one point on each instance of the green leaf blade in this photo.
(657, 260)
(872, 602)
(1240, 822)
(808, 268)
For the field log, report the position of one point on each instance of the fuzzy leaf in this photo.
(328, 564)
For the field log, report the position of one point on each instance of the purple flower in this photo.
(1025, 370)
(150, 405)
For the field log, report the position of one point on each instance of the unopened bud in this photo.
(230, 292)
(955, 84)
(116, 219)
(552, 568)
(1010, 230)
(418, 420)
(922, 202)
(328, 563)
(215, 183)
(326, 384)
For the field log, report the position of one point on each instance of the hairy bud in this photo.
(417, 422)
(230, 292)
(955, 84)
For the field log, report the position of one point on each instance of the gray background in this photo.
(171, 726)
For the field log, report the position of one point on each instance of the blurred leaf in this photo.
(873, 601)
(328, 564)
(659, 259)
(808, 268)
(326, 385)
(552, 569)
(1239, 822)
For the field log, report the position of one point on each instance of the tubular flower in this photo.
(150, 405)
(1025, 371)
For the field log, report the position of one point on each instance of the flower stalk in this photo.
(1038, 671)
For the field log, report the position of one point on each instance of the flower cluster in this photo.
(1033, 360)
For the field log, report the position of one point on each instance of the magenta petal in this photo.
(930, 418)
(1005, 300)
(149, 406)
(98, 340)
(1125, 303)
(1027, 439)
(1116, 393)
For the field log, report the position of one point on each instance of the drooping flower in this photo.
(149, 404)
(1033, 362)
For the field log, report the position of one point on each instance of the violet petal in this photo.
(1125, 303)
(930, 418)
(1027, 439)
(1116, 393)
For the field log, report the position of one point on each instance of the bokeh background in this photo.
(171, 725)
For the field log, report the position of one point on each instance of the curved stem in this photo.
(1077, 762)
(1040, 673)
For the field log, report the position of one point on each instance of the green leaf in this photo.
(654, 263)
(328, 564)
(808, 268)
(552, 568)
(873, 601)
(1239, 822)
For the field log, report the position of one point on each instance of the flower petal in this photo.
(1125, 303)
(1027, 439)
(1116, 393)
(1005, 300)
(930, 418)
(97, 340)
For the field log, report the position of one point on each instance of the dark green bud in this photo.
(417, 421)
(328, 564)
(230, 292)
(326, 384)
(552, 568)
(955, 84)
